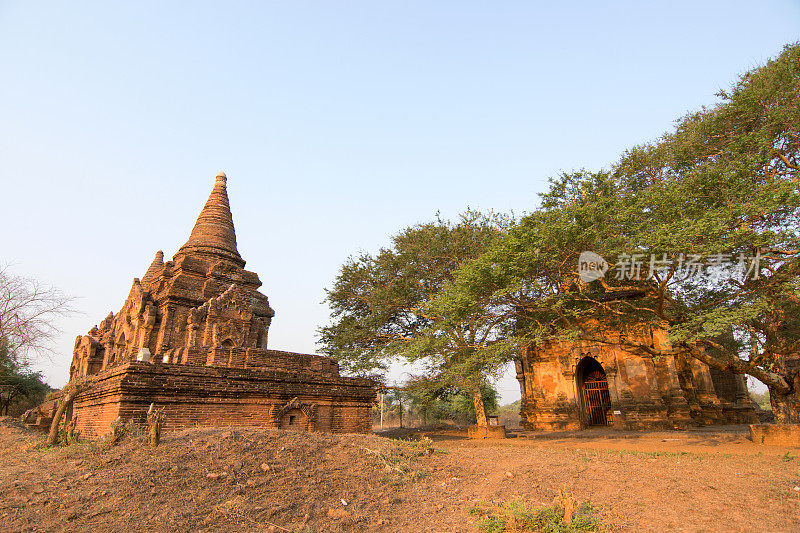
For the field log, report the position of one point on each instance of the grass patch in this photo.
(83, 448)
(79, 449)
(519, 515)
(586, 455)
(638, 453)
(400, 457)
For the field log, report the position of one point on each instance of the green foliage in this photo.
(462, 407)
(510, 410)
(509, 413)
(519, 515)
(384, 308)
(18, 383)
(449, 405)
(722, 188)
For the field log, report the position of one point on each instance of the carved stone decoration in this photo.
(148, 322)
(309, 412)
(193, 324)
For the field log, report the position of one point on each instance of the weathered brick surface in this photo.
(213, 396)
(776, 434)
(643, 392)
(192, 337)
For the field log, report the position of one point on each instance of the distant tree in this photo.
(511, 409)
(28, 314)
(18, 384)
(454, 405)
(381, 308)
(395, 404)
(761, 399)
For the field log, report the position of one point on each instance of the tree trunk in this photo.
(480, 410)
(400, 400)
(785, 407)
(70, 429)
(786, 403)
(52, 437)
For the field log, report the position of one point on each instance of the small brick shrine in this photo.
(575, 385)
(192, 338)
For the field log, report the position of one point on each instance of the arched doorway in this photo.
(593, 386)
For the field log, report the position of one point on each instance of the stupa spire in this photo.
(155, 267)
(213, 233)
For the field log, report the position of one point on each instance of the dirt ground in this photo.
(271, 480)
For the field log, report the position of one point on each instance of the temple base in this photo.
(195, 396)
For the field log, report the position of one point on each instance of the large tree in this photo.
(29, 311)
(702, 233)
(382, 308)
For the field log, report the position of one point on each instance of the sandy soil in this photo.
(271, 480)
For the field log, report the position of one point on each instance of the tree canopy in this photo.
(381, 307)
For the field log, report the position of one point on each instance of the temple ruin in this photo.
(192, 338)
(581, 384)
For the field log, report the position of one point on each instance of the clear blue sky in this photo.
(338, 124)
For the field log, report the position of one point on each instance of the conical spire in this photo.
(155, 267)
(213, 233)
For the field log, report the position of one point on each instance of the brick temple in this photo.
(192, 337)
(581, 384)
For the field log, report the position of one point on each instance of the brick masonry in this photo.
(192, 338)
(776, 434)
(215, 396)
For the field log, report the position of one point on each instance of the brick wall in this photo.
(214, 396)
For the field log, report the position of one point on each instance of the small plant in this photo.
(787, 457)
(519, 515)
(492, 524)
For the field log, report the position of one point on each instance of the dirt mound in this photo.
(215, 479)
(273, 480)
